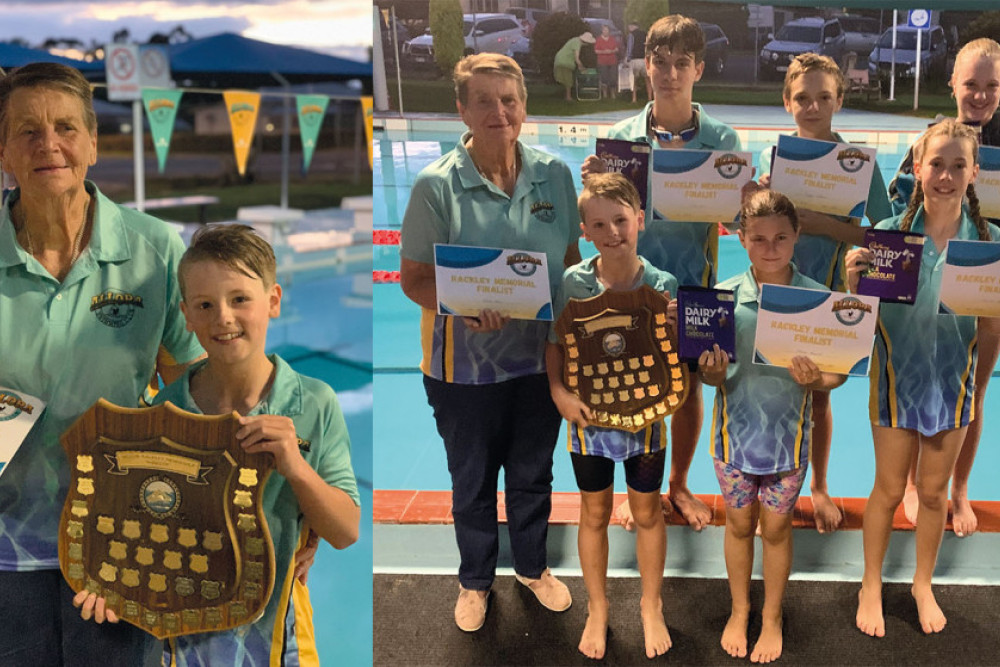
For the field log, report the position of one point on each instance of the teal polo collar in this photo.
(748, 288)
(470, 176)
(285, 397)
(108, 241)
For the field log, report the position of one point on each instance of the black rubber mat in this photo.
(414, 625)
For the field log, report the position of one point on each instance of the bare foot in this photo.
(932, 619)
(734, 636)
(963, 519)
(695, 512)
(654, 628)
(826, 512)
(768, 646)
(594, 639)
(623, 513)
(869, 618)
(911, 503)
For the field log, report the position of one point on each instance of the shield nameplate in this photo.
(620, 358)
(164, 518)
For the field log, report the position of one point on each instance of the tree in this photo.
(645, 12)
(551, 34)
(986, 24)
(447, 30)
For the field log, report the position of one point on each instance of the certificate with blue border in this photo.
(823, 176)
(970, 279)
(834, 329)
(512, 282)
(698, 186)
(988, 182)
(18, 413)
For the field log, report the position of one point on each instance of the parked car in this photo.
(716, 49)
(933, 54)
(532, 16)
(483, 33)
(816, 34)
(860, 33)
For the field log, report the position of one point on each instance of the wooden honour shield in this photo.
(620, 358)
(164, 520)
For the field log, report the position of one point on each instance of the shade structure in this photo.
(231, 60)
(13, 55)
(981, 5)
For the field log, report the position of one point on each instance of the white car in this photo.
(483, 33)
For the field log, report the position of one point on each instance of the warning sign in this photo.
(121, 64)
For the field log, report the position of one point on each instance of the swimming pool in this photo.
(409, 454)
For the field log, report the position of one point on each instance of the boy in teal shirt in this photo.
(227, 280)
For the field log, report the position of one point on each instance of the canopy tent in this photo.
(975, 5)
(231, 60)
(13, 55)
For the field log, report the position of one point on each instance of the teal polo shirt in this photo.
(761, 417)
(452, 203)
(924, 363)
(689, 250)
(821, 257)
(325, 444)
(580, 282)
(95, 335)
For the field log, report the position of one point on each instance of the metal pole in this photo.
(138, 159)
(399, 72)
(892, 67)
(286, 140)
(916, 76)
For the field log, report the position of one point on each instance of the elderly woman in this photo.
(567, 61)
(485, 376)
(65, 251)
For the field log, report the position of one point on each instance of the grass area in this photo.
(546, 99)
(300, 195)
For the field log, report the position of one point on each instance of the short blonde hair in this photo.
(237, 247)
(611, 185)
(812, 62)
(487, 63)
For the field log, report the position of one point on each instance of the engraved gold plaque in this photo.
(617, 333)
(163, 514)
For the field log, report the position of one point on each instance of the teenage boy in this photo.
(675, 60)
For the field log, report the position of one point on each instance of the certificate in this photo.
(970, 279)
(988, 181)
(18, 413)
(698, 186)
(823, 176)
(834, 329)
(513, 282)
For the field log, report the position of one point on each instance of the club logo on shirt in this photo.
(543, 211)
(729, 165)
(851, 159)
(304, 445)
(523, 264)
(850, 310)
(115, 308)
(12, 405)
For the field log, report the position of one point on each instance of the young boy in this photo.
(813, 92)
(675, 52)
(612, 218)
(227, 281)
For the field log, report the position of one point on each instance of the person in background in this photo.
(606, 48)
(567, 62)
(635, 58)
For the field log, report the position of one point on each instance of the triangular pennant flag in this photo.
(242, 109)
(161, 109)
(312, 110)
(366, 106)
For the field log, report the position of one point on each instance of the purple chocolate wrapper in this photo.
(705, 317)
(630, 158)
(893, 275)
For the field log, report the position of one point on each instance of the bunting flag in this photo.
(312, 110)
(242, 108)
(366, 106)
(161, 109)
